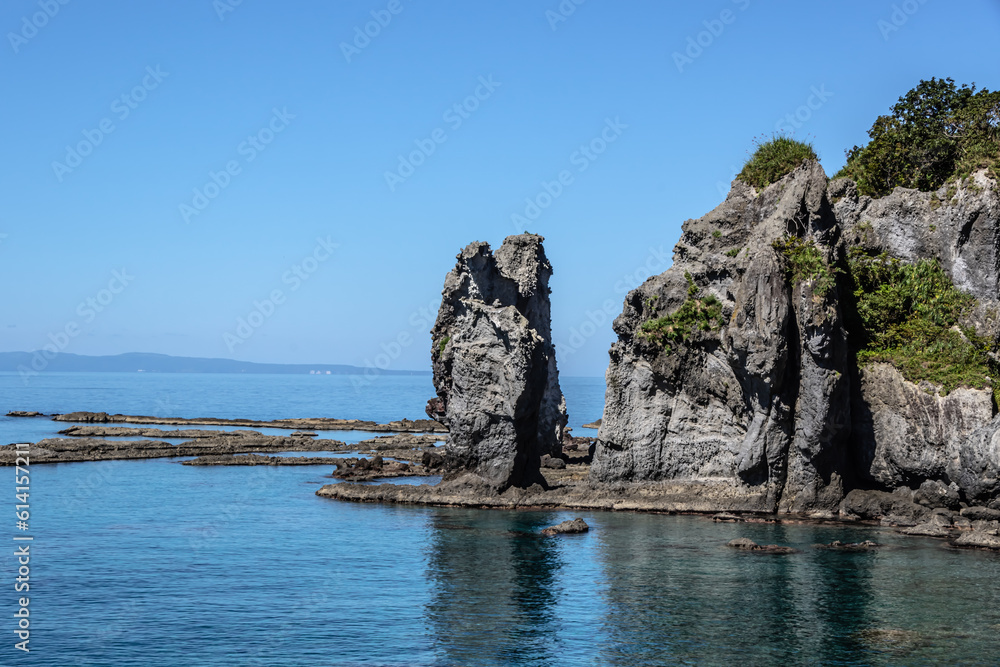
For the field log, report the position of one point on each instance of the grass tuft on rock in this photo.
(804, 262)
(773, 159)
(908, 315)
(443, 344)
(704, 314)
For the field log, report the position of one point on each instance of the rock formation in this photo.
(912, 436)
(734, 382)
(495, 366)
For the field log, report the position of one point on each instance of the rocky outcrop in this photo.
(752, 402)
(915, 436)
(568, 527)
(732, 375)
(909, 434)
(495, 366)
(979, 540)
(743, 379)
(957, 225)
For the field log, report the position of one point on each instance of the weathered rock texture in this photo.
(495, 366)
(764, 408)
(910, 436)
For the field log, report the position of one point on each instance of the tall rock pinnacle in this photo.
(495, 365)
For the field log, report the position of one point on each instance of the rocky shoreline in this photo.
(565, 484)
(570, 489)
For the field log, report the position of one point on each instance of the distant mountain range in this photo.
(163, 363)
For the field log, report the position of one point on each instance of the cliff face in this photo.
(909, 435)
(732, 381)
(495, 366)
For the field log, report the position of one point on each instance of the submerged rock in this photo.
(495, 366)
(746, 544)
(889, 639)
(577, 525)
(837, 545)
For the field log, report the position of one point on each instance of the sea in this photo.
(152, 563)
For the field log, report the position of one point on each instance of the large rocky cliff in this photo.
(735, 381)
(495, 366)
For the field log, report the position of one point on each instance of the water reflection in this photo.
(643, 589)
(495, 587)
(676, 594)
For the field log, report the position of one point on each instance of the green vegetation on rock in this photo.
(804, 262)
(695, 314)
(908, 315)
(773, 159)
(936, 132)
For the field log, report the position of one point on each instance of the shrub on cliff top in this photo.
(773, 159)
(908, 315)
(936, 131)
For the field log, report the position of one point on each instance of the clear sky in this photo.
(229, 159)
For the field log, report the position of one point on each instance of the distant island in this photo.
(164, 363)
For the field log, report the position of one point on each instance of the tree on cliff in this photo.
(935, 132)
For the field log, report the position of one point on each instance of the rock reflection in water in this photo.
(495, 587)
(643, 589)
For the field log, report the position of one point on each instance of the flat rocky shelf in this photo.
(260, 460)
(316, 423)
(569, 489)
(92, 443)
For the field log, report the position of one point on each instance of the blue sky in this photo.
(229, 161)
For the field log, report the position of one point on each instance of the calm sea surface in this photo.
(155, 563)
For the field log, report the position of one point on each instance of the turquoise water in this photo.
(155, 563)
